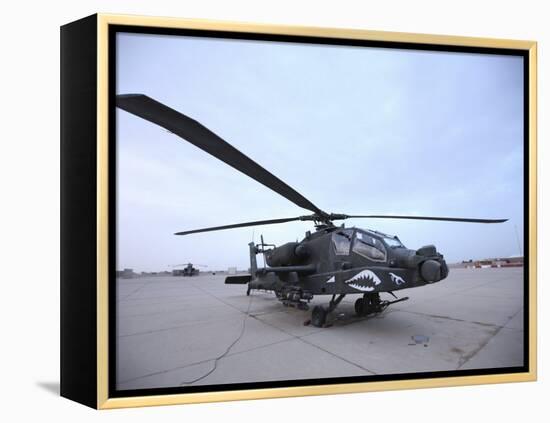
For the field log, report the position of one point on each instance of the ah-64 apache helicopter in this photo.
(188, 269)
(333, 260)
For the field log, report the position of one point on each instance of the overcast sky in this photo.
(355, 130)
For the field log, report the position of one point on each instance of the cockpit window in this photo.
(369, 247)
(341, 241)
(393, 242)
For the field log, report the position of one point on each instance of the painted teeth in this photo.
(365, 276)
(361, 287)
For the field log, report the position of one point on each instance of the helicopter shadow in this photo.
(346, 316)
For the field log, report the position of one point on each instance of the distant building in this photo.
(232, 271)
(493, 262)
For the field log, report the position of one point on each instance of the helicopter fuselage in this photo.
(337, 260)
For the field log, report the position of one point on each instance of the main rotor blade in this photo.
(445, 219)
(200, 136)
(239, 225)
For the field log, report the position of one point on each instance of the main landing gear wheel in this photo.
(369, 304)
(318, 316)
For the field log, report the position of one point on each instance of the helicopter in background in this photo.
(332, 260)
(187, 270)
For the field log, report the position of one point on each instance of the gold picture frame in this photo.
(98, 26)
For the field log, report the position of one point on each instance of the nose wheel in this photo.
(319, 313)
(371, 303)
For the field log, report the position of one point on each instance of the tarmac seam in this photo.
(177, 368)
(301, 338)
(466, 357)
(154, 313)
(294, 336)
(135, 291)
(337, 356)
(437, 316)
(219, 299)
(171, 328)
(204, 361)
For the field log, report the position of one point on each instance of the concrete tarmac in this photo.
(171, 331)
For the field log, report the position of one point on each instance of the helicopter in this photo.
(332, 260)
(188, 269)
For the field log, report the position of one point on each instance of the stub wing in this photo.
(238, 279)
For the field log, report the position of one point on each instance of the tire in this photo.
(318, 316)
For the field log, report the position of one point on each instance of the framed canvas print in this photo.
(256, 211)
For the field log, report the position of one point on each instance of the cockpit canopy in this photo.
(368, 244)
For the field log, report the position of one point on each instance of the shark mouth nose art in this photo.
(365, 281)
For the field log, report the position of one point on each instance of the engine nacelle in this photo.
(289, 254)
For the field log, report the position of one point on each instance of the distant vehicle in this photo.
(188, 270)
(333, 260)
